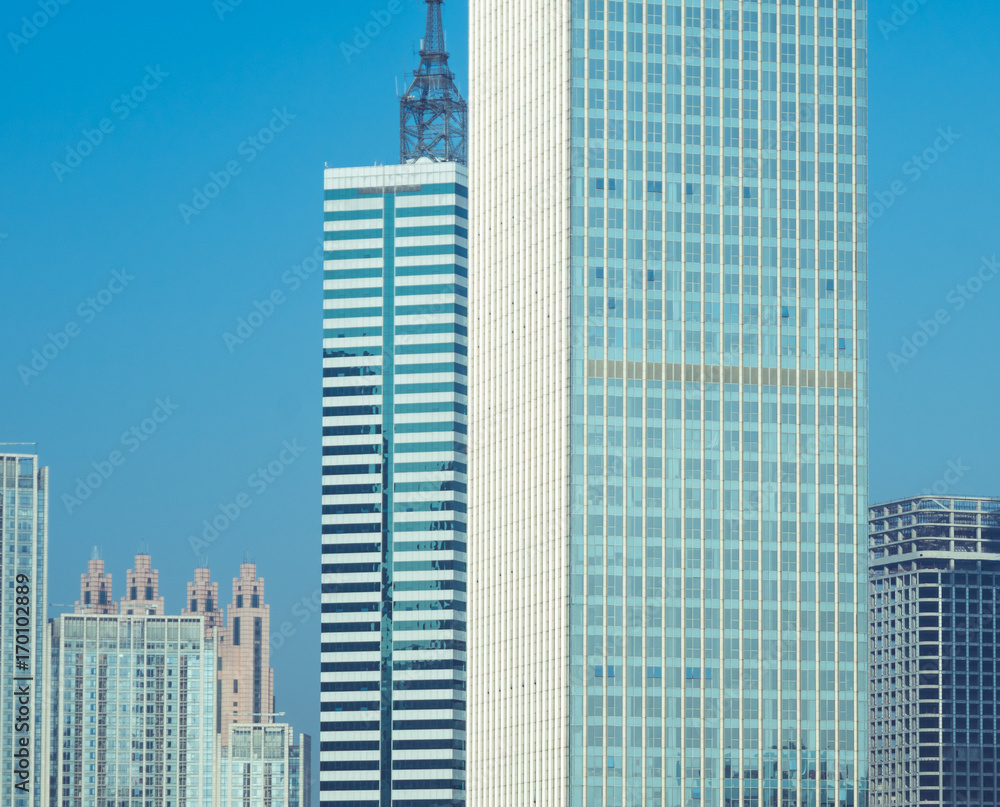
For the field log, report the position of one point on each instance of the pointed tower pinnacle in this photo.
(433, 114)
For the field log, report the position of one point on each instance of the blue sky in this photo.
(261, 98)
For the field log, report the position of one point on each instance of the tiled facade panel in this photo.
(394, 486)
(690, 179)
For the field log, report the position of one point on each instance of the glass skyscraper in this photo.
(24, 540)
(131, 712)
(669, 403)
(394, 486)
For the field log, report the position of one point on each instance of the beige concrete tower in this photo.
(95, 589)
(246, 681)
(203, 600)
(142, 586)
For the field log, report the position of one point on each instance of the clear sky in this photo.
(118, 352)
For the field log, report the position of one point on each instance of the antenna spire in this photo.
(433, 114)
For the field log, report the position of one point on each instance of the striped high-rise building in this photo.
(395, 384)
(668, 407)
(394, 486)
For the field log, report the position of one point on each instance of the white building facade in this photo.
(668, 404)
(24, 540)
(131, 712)
(394, 485)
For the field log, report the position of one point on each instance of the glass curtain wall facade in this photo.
(300, 772)
(935, 573)
(691, 213)
(394, 486)
(261, 765)
(132, 720)
(24, 540)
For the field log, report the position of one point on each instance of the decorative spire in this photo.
(95, 589)
(433, 114)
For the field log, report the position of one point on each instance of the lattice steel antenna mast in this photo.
(433, 115)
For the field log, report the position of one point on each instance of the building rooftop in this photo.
(934, 528)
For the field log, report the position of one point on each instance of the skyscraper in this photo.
(246, 680)
(935, 573)
(130, 718)
(394, 464)
(394, 484)
(198, 682)
(669, 403)
(24, 541)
